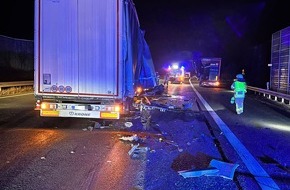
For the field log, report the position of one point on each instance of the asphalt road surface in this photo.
(69, 153)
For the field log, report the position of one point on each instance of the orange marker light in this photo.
(139, 89)
(44, 106)
(117, 108)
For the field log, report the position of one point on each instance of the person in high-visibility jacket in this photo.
(240, 88)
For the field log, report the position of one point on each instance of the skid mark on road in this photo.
(261, 176)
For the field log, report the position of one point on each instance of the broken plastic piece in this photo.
(97, 125)
(132, 138)
(226, 170)
(188, 105)
(133, 149)
(128, 124)
(199, 173)
(216, 168)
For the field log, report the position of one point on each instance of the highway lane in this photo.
(56, 153)
(263, 128)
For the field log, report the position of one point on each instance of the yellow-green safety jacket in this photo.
(240, 88)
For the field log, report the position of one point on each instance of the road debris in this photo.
(216, 168)
(156, 99)
(226, 170)
(97, 125)
(199, 173)
(133, 149)
(165, 103)
(128, 124)
(42, 158)
(90, 128)
(146, 119)
(156, 90)
(137, 152)
(131, 138)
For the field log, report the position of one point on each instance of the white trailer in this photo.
(87, 53)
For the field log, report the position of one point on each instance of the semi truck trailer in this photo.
(90, 55)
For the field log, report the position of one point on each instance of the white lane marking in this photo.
(15, 95)
(261, 176)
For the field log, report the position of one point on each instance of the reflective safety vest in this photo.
(240, 89)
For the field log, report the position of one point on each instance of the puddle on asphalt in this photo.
(187, 161)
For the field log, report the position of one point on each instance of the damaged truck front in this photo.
(89, 57)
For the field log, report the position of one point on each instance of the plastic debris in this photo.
(180, 149)
(90, 128)
(187, 105)
(128, 124)
(136, 151)
(199, 173)
(131, 138)
(226, 170)
(133, 149)
(97, 125)
(156, 90)
(152, 151)
(72, 152)
(42, 158)
(216, 168)
(146, 119)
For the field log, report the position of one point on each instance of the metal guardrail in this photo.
(269, 94)
(15, 84)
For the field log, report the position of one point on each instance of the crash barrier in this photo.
(15, 84)
(284, 98)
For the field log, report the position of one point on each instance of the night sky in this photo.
(17, 18)
(211, 28)
(234, 30)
